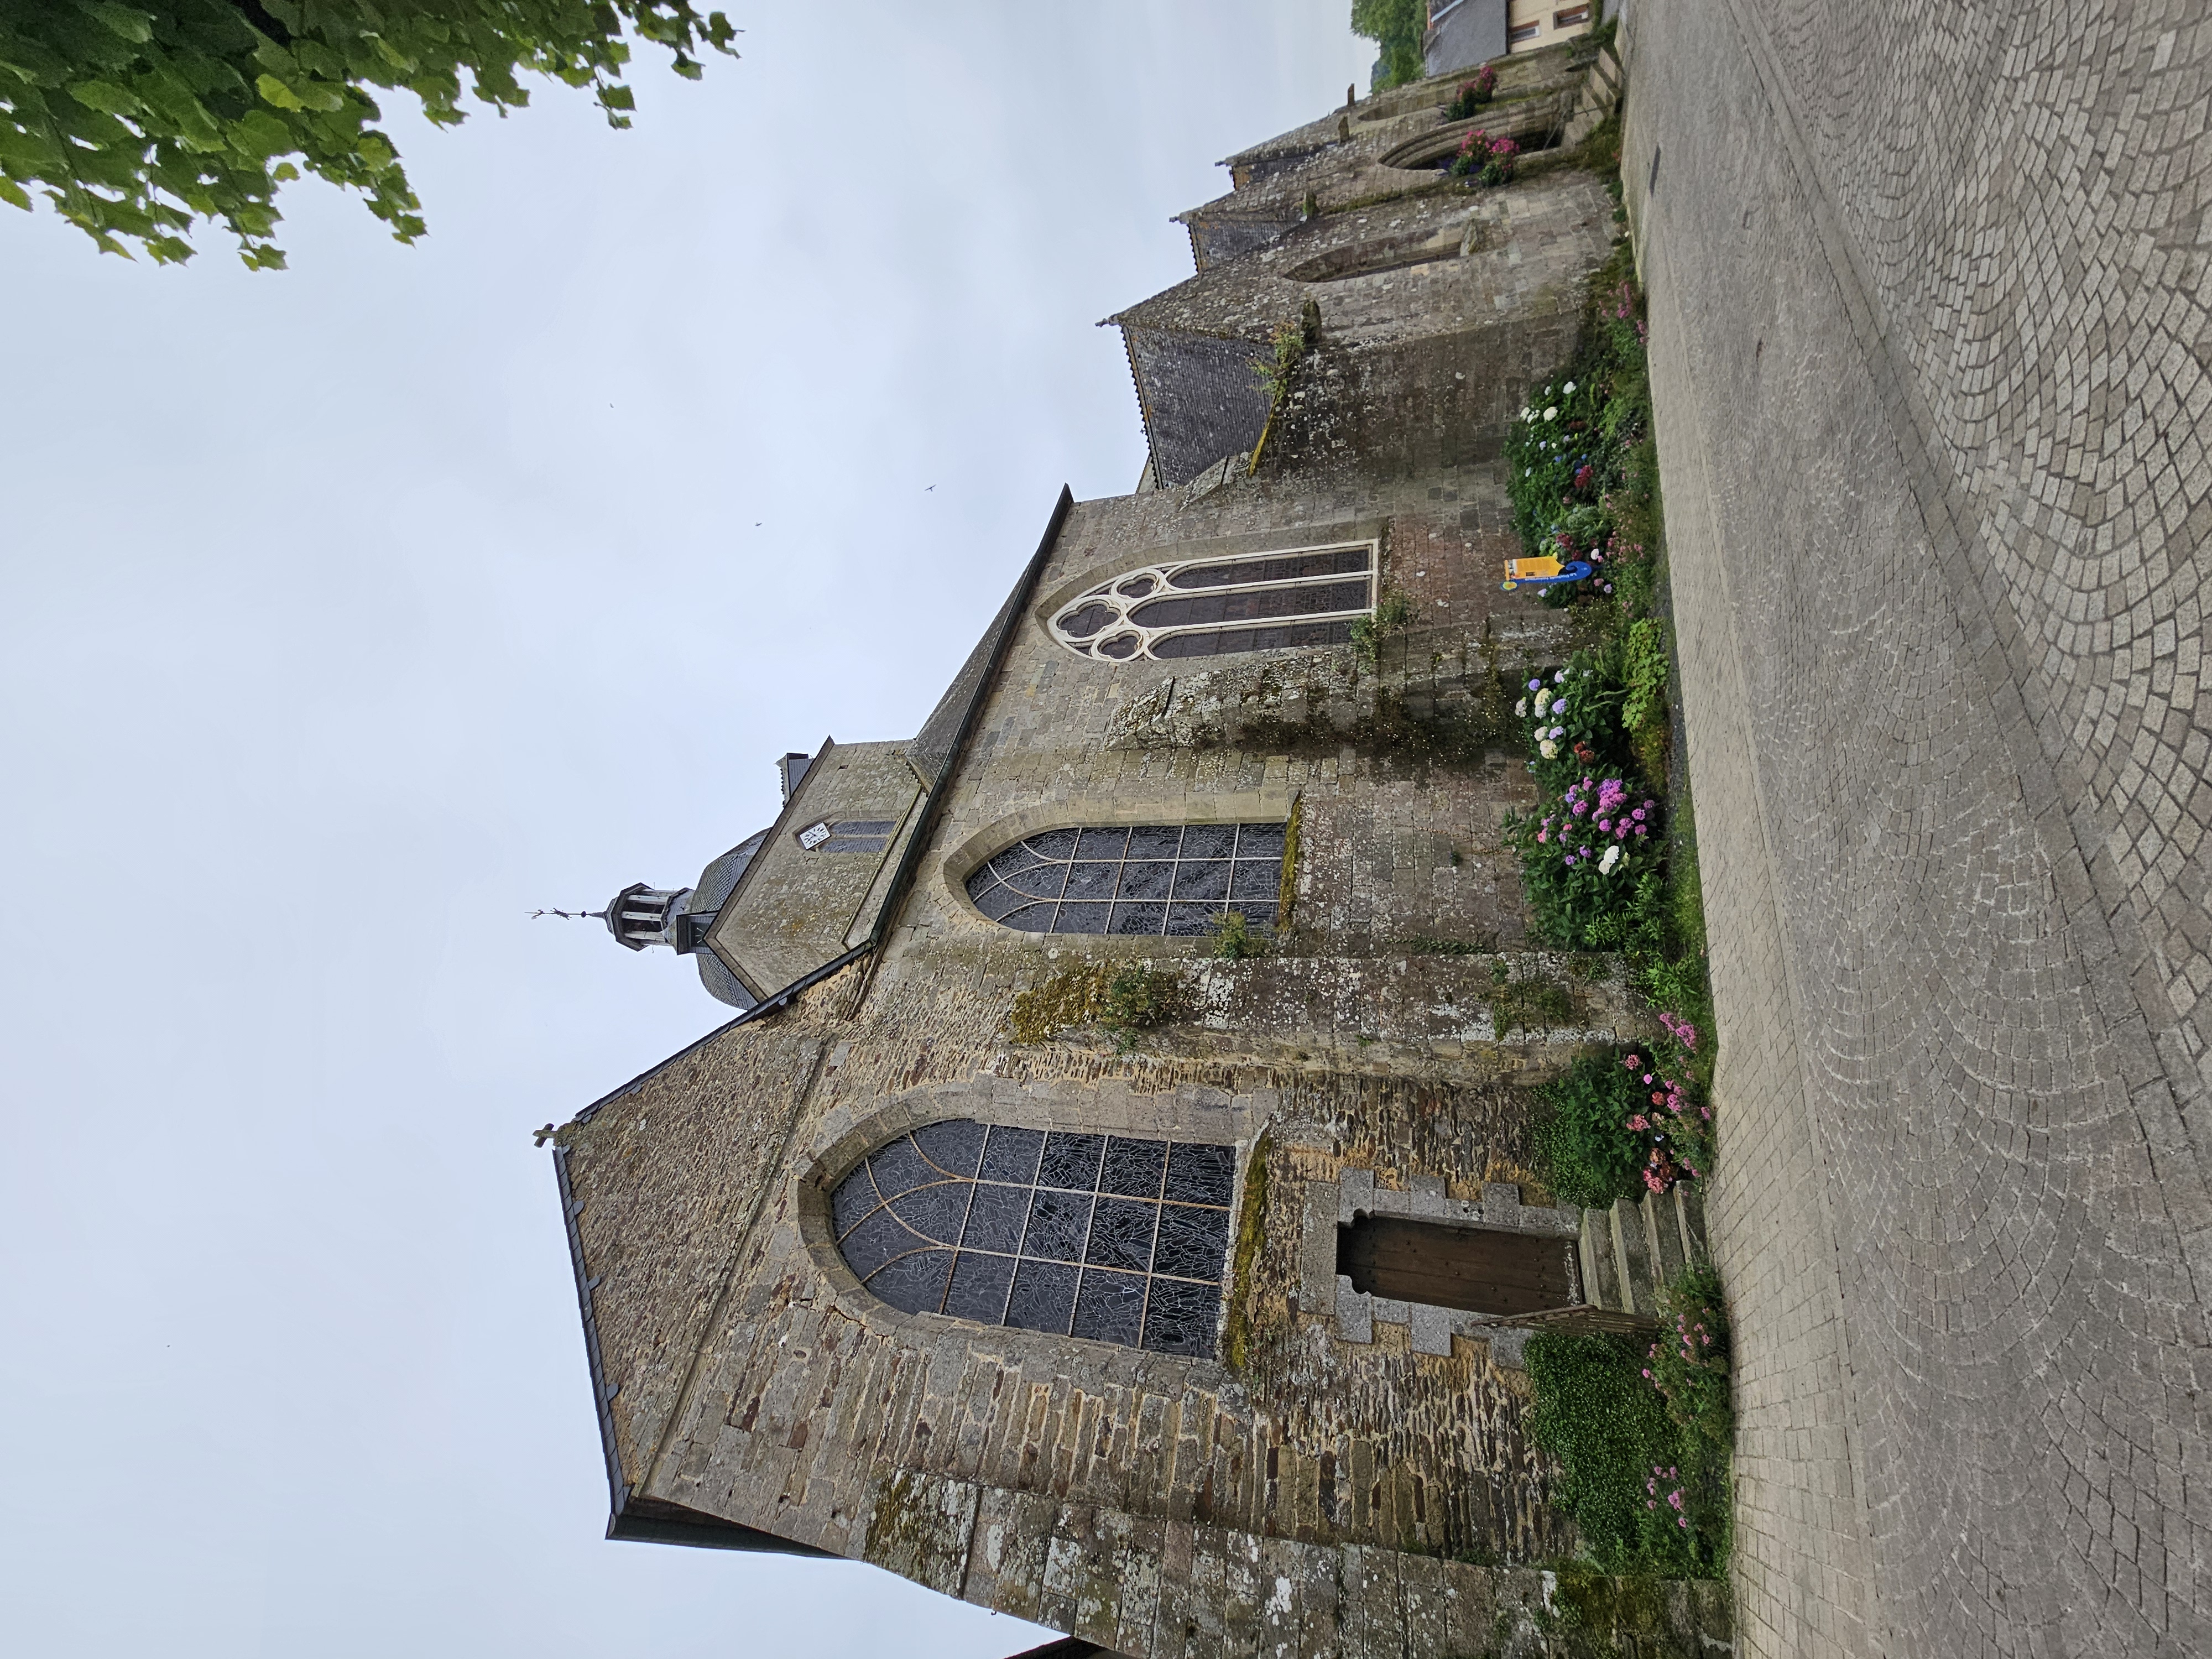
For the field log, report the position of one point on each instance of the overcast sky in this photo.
(353, 612)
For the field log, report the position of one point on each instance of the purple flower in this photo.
(1535, 685)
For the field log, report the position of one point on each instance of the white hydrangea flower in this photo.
(1553, 413)
(1549, 750)
(1520, 709)
(1543, 701)
(1611, 857)
(1570, 388)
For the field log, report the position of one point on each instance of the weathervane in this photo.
(571, 915)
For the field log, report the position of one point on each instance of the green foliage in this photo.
(1689, 1362)
(1645, 673)
(135, 117)
(1286, 347)
(1234, 939)
(1620, 1459)
(1583, 1148)
(1394, 614)
(1396, 25)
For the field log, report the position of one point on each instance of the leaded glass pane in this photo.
(1203, 878)
(1072, 1161)
(1260, 840)
(1181, 1317)
(1121, 1234)
(1059, 1224)
(954, 1147)
(1133, 1167)
(1155, 842)
(914, 1283)
(996, 1218)
(1145, 881)
(979, 1288)
(1043, 1297)
(1111, 1308)
(935, 1213)
(1011, 1154)
(1191, 1242)
(1199, 1174)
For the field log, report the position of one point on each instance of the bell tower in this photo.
(641, 915)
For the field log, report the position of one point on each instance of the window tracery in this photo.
(1301, 597)
(1105, 1237)
(1176, 879)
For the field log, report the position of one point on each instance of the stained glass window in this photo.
(1104, 1236)
(1217, 607)
(1158, 879)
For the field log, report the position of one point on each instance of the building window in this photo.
(1303, 597)
(1573, 18)
(1101, 1237)
(1177, 879)
(1522, 32)
(1475, 1269)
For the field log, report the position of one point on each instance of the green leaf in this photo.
(132, 26)
(105, 95)
(261, 135)
(278, 93)
(13, 194)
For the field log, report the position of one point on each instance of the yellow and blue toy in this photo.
(1545, 572)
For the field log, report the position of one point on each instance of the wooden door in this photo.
(1475, 1269)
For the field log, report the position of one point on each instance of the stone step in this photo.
(1601, 1281)
(1631, 1248)
(1628, 1253)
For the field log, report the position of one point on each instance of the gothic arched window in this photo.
(1104, 1237)
(1172, 878)
(1306, 596)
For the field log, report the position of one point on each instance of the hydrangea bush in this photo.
(1485, 160)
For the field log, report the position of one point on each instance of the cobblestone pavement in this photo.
(1932, 345)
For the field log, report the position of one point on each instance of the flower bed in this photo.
(1642, 1502)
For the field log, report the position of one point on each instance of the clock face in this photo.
(813, 835)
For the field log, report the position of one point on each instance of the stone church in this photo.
(1204, 1335)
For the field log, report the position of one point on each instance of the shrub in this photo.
(1234, 939)
(1394, 613)
(1286, 346)
(1473, 95)
(1583, 861)
(1583, 1147)
(1619, 1457)
(1673, 1127)
(1485, 160)
(1689, 1362)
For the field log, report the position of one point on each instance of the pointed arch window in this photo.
(1177, 879)
(1299, 597)
(1105, 1237)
